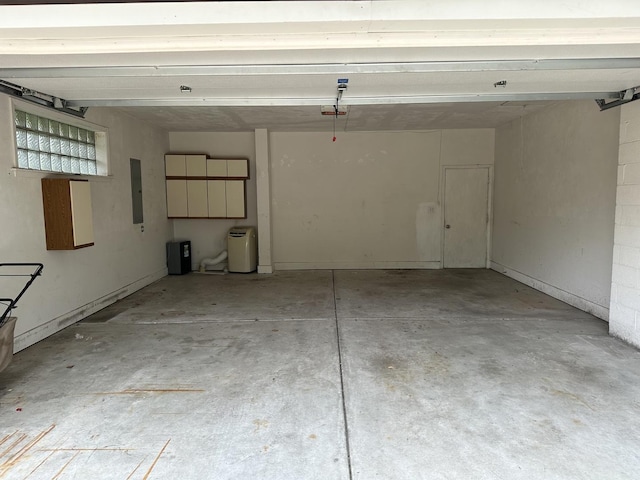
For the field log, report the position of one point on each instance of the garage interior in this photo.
(448, 279)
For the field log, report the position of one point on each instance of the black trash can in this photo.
(179, 257)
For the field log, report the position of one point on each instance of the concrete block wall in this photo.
(624, 316)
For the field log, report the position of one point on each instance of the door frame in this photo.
(443, 172)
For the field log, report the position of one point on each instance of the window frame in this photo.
(101, 135)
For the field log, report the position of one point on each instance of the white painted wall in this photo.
(554, 198)
(624, 319)
(77, 283)
(369, 200)
(209, 237)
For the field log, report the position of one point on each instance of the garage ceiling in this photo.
(410, 65)
(359, 118)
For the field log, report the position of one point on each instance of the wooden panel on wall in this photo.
(68, 216)
(56, 202)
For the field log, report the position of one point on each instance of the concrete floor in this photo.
(445, 374)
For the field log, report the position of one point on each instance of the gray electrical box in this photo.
(242, 247)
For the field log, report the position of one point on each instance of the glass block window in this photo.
(54, 146)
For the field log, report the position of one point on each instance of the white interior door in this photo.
(466, 218)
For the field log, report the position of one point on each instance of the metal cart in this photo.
(7, 323)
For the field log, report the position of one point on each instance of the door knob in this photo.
(447, 226)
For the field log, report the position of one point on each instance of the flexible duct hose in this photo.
(209, 262)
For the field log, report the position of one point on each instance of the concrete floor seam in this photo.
(462, 318)
(344, 403)
(216, 321)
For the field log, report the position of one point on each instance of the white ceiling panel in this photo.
(359, 118)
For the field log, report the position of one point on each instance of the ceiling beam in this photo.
(324, 68)
(363, 13)
(312, 25)
(386, 100)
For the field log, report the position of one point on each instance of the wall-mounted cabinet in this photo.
(201, 187)
(226, 198)
(197, 204)
(185, 165)
(237, 168)
(177, 198)
(68, 217)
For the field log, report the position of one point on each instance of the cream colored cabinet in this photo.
(227, 199)
(234, 194)
(175, 166)
(216, 168)
(217, 198)
(187, 199)
(197, 204)
(201, 187)
(81, 214)
(177, 199)
(237, 168)
(196, 165)
(185, 165)
(68, 215)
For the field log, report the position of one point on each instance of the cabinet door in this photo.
(197, 204)
(217, 198)
(238, 168)
(56, 202)
(196, 165)
(81, 214)
(235, 199)
(216, 168)
(177, 198)
(174, 166)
